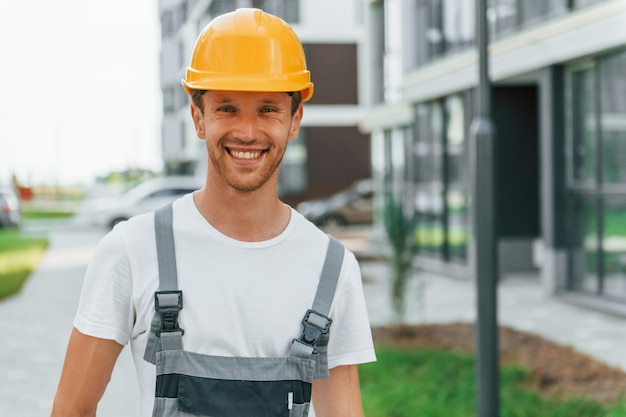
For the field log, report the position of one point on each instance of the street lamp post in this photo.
(482, 165)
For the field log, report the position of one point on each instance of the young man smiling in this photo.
(249, 266)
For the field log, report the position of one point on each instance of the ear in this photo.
(198, 119)
(296, 120)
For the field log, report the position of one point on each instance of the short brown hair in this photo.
(196, 98)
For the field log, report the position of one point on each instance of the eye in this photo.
(268, 110)
(226, 109)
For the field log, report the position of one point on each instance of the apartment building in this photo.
(558, 72)
(330, 152)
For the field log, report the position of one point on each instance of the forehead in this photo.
(247, 97)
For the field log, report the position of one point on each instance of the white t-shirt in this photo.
(239, 298)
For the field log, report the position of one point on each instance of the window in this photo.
(429, 196)
(288, 10)
(502, 16)
(597, 176)
(508, 16)
(612, 76)
(430, 23)
(557, 7)
(219, 7)
(167, 24)
(583, 128)
(582, 3)
(443, 26)
(457, 230)
(439, 178)
(459, 19)
(584, 243)
(532, 10)
(613, 267)
(169, 104)
(292, 177)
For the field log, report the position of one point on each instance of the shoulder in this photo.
(315, 236)
(304, 229)
(140, 228)
(136, 230)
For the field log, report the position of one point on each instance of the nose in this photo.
(246, 127)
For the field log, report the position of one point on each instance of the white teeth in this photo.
(245, 155)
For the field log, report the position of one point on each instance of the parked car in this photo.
(9, 208)
(147, 196)
(347, 207)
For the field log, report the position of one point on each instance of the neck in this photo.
(246, 216)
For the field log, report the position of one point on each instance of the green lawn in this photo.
(39, 213)
(19, 255)
(437, 383)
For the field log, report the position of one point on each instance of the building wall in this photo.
(571, 197)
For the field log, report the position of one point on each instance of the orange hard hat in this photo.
(248, 50)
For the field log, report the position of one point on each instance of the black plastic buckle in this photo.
(168, 311)
(315, 325)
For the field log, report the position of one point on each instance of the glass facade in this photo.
(292, 176)
(457, 234)
(285, 9)
(428, 180)
(578, 138)
(445, 26)
(597, 176)
(584, 243)
(612, 122)
(439, 167)
(612, 119)
(508, 16)
(582, 3)
(583, 128)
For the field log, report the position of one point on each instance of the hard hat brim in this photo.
(247, 84)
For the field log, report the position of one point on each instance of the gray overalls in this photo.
(193, 384)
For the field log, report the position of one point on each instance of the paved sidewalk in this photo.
(36, 323)
(521, 305)
(35, 326)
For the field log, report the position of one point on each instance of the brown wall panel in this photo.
(334, 72)
(337, 157)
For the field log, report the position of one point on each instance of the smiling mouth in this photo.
(244, 154)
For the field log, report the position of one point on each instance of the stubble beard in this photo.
(245, 182)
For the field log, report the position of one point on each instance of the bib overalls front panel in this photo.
(193, 384)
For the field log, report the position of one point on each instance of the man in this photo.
(247, 264)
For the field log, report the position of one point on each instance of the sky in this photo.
(79, 89)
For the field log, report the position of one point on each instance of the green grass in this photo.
(35, 213)
(437, 383)
(19, 256)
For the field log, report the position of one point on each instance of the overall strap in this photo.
(165, 334)
(329, 276)
(166, 255)
(316, 322)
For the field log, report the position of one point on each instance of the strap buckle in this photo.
(168, 304)
(315, 325)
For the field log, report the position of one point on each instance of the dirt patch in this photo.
(557, 371)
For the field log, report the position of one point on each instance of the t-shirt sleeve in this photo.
(105, 307)
(350, 341)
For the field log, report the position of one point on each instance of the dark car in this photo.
(347, 207)
(9, 208)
